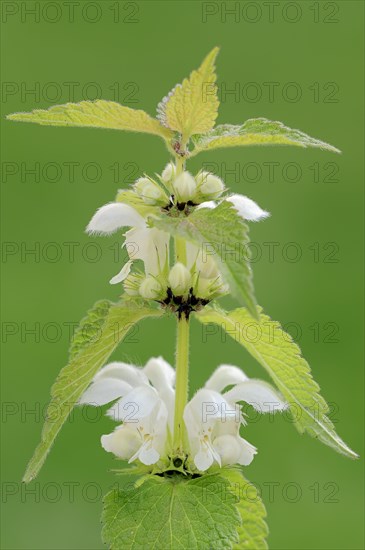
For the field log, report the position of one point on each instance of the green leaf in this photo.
(223, 232)
(192, 107)
(172, 513)
(256, 131)
(280, 356)
(95, 114)
(89, 327)
(253, 530)
(107, 325)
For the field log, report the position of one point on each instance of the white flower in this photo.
(213, 418)
(184, 187)
(145, 406)
(150, 192)
(179, 279)
(201, 259)
(150, 289)
(168, 172)
(209, 185)
(123, 273)
(150, 245)
(207, 280)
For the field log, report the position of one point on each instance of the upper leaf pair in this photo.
(188, 112)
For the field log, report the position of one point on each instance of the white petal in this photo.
(192, 251)
(247, 208)
(206, 204)
(149, 245)
(223, 376)
(162, 377)
(168, 397)
(134, 406)
(233, 449)
(123, 273)
(205, 409)
(228, 448)
(160, 373)
(147, 455)
(123, 442)
(248, 452)
(156, 423)
(103, 391)
(122, 371)
(184, 186)
(203, 459)
(257, 393)
(206, 264)
(112, 216)
(206, 404)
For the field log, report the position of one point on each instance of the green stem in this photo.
(182, 350)
(179, 164)
(182, 383)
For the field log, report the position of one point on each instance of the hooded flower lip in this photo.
(145, 400)
(144, 403)
(247, 208)
(213, 417)
(112, 216)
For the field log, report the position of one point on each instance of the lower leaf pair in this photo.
(273, 348)
(221, 510)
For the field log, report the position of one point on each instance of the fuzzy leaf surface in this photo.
(253, 530)
(98, 335)
(95, 114)
(256, 131)
(172, 514)
(192, 107)
(280, 356)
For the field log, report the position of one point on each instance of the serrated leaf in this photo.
(253, 530)
(192, 107)
(89, 327)
(172, 513)
(95, 114)
(222, 231)
(280, 356)
(256, 131)
(107, 324)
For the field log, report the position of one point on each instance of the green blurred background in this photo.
(308, 55)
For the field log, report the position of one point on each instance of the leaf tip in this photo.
(351, 454)
(28, 476)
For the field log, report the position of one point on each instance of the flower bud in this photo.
(179, 279)
(150, 289)
(131, 284)
(210, 288)
(202, 288)
(184, 187)
(206, 264)
(168, 172)
(149, 191)
(210, 186)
